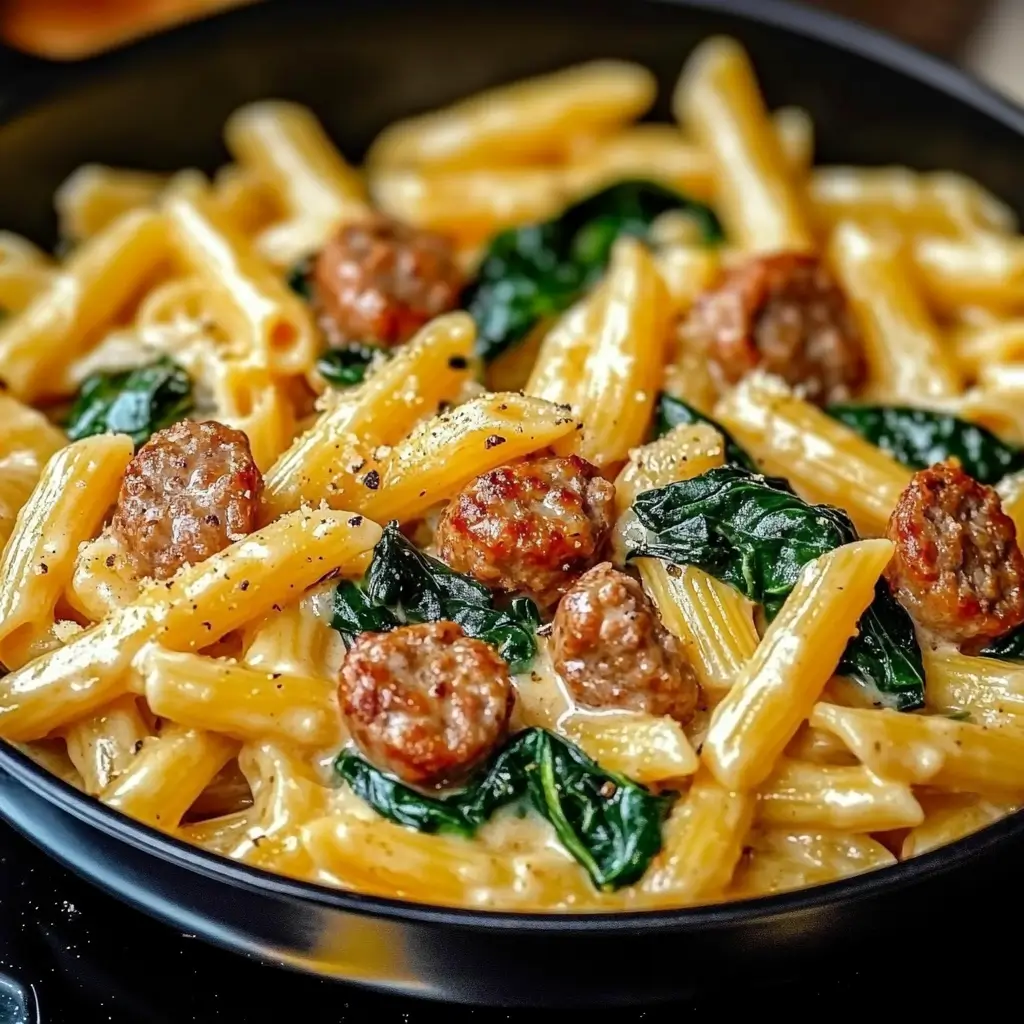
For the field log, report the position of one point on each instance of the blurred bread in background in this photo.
(70, 29)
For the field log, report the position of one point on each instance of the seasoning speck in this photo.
(458, 362)
(493, 441)
(356, 521)
(372, 480)
(110, 560)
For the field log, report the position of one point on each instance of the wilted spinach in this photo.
(1009, 647)
(345, 367)
(919, 438)
(674, 412)
(538, 270)
(136, 402)
(404, 585)
(609, 824)
(298, 278)
(754, 533)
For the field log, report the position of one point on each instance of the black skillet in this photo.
(161, 104)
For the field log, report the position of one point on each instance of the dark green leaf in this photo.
(884, 656)
(400, 803)
(754, 533)
(919, 438)
(674, 412)
(1009, 647)
(355, 613)
(404, 585)
(537, 271)
(609, 824)
(298, 278)
(135, 402)
(345, 367)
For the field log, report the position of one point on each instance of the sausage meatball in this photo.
(613, 652)
(189, 492)
(425, 702)
(530, 526)
(786, 315)
(957, 567)
(378, 282)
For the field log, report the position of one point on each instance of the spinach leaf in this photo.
(345, 367)
(674, 412)
(919, 438)
(404, 585)
(538, 270)
(400, 803)
(609, 824)
(754, 533)
(1009, 647)
(136, 402)
(298, 278)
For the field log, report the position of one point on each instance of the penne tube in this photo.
(781, 860)
(776, 689)
(246, 704)
(824, 460)
(67, 507)
(563, 351)
(907, 358)
(21, 283)
(929, 750)
(618, 383)
(249, 297)
(985, 691)
(96, 284)
(795, 129)
(246, 199)
(444, 454)
(103, 581)
(644, 748)
(385, 859)
(688, 271)
(190, 612)
(718, 100)
(167, 775)
(221, 835)
(939, 202)
(801, 795)
(519, 123)
(94, 196)
(702, 843)
(952, 816)
(323, 464)
(980, 345)
(984, 270)
(713, 620)
(103, 746)
(284, 144)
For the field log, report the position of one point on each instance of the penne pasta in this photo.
(984, 270)
(986, 691)
(240, 702)
(823, 460)
(519, 123)
(103, 746)
(198, 606)
(953, 816)
(907, 359)
(99, 280)
(718, 100)
(777, 688)
(928, 749)
(94, 196)
(801, 795)
(67, 507)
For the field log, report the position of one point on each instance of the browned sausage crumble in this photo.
(378, 281)
(613, 652)
(784, 314)
(425, 702)
(530, 526)
(957, 567)
(189, 492)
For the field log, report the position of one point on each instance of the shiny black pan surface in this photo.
(161, 105)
